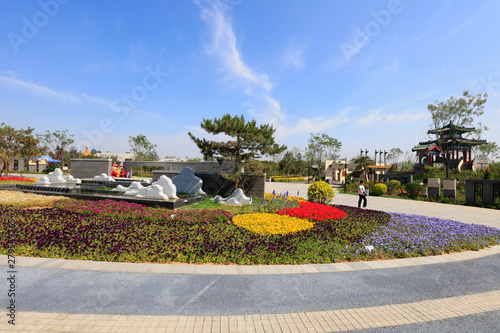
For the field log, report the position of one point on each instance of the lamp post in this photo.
(345, 175)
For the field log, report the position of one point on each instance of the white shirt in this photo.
(361, 189)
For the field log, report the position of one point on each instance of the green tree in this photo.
(362, 162)
(115, 159)
(320, 148)
(248, 142)
(16, 144)
(457, 112)
(143, 149)
(58, 145)
(489, 150)
(394, 155)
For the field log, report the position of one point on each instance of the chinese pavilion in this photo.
(450, 136)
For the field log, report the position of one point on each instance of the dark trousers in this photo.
(362, 197)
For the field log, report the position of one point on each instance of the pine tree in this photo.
(249, 142)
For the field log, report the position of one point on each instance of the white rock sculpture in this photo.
(217, 198)
(169, 189)
(135, 188)
(153, 192)
(56, 177)
(120, 188)
(72, 180)
(44, 180)
(103, 177)
(187, 182)
(236, 198)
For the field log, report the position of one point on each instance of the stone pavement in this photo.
(450, 293)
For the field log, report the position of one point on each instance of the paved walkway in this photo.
(450, 293)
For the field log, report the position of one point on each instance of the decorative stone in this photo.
(187, 182)
(434, 187)
(434, 182)
(135, 188)
(153, 192)
(169, 189)
(217, 198)
(72, 180)
(450, 188)
(104, 178)
(44, 180)
(120, 188)
(480, 163)
(449, 184)
(56, 177)
(236, 198)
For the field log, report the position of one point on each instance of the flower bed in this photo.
(313, 211)
(11, 180)
(271, 224)
(415, 235)
(116, 231)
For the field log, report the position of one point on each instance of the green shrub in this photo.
(379, 189)
(413, 189)
(394, 186)
(320, 192)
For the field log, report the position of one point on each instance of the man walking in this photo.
(362, 194)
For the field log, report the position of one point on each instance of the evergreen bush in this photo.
(394, 186)
(320, 192)
(379, 189)
(413, 189)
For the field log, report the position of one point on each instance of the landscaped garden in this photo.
(276, 230)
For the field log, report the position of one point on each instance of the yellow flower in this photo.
(266, 223)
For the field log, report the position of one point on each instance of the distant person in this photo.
(362, 194)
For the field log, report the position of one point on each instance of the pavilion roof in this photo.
(428, 145)
(457, 141)
(451, 128)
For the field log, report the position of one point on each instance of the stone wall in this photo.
(178, 166)
(482, 191)
(214, 183)
(88, 168)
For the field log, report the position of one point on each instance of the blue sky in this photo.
(362, 72)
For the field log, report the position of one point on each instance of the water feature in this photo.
(90, 190)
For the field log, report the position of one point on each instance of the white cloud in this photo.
(407, 117)
(294, 56)
(373, 117)
(18, 84)
(222, 46)
(376, 116)
(313, 125)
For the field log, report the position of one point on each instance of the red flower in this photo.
(313, 211)
(17, 179)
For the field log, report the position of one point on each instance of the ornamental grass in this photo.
(271, 224)
(23, 200)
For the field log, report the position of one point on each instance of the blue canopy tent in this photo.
(49, 159)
